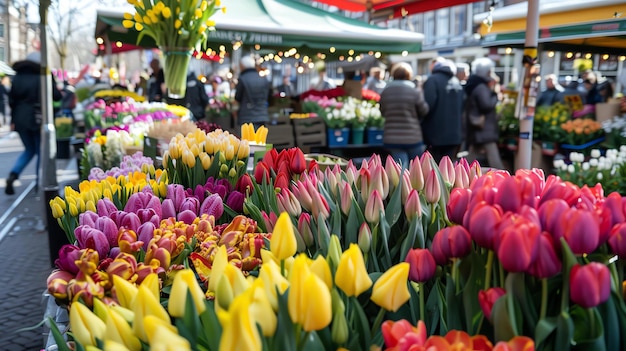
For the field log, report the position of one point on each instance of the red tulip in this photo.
(547, 264)
(422, 264)
(590, 285)
(269, 159)
(282, 180)
(617, 239)
(482, 224)
(401, 335)
(244, 184)
(262, 173)
(581, 230)
(451, 242)
(520, 236)
(487, 298)
(613, 203)
(558, 189)
(297, 162)
(550, 213)
(457, 205)
(509, 195)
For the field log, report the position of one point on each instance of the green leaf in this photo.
(409, 241)
(335, 218)
(454, 311)
(313, 342)
(516, 285)
(361, 322)
(255, 213)
(58, 336)
(473, 312)
(512, 306)
(432, 309)
(352, 227)
(588, 329)
(189, 325)
(544, 328)
(211, 328)
(393, 209)
(564, 332)
(503, 328)
(286, 339)
(608, 314)
(385, 231)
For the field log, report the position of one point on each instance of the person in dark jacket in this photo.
(553, 92)
(442, 127)
(402, 105)
(252, 93)
(156, 83)
(196, 99)
(26, 112)
(482, 100)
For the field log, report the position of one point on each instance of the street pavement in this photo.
(24, 252)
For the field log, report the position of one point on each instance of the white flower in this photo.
(599, 176)
(564, 167)
(571, 169)
(558, 163)
(585, 166)
(595, 153)
(593, 162)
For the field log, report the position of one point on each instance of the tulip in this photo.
(351, 275)
(124, 291)
(92, 238)
(401, 335)
(185, 281)
(105, 207)
(304, 228)
(152, 282)
(390, 290)
(518, 343)
(413, 206)
(427, 162)
(57, 283)
(262, 173)
(483, 221)
(89, 218)
(617, 239)
(346, 198)
(379, 181)
(287, 202)
(283, 243)
(487, 299)
(84, 287)
(446, 167)
(509, 195)
(334, 252)
(339, 330)
(522, 237)
(373, 207)
(190, 203)
(547, 264)
(244, 184)
(273, 282)
(590, 285)
(118, 330)
(451, 242)
(261, 310)
(86, 326)
(581, 230)
(394, 172)
(239, 329)
(557, 189)
(297, 163)
(131, 221)
(146, 304)
(220, 260)
(168, 209)
(316, 312)
(461, 179)
(416, 175)
(162, 336)
(457, 205)
(68, 255)
(124, 265)
(145, 233)
(422, 265)
(212, 206)
(282, 180)
(365, 238)
(320, 268)
(432, 190)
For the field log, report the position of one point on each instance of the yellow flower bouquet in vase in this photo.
(178, 27)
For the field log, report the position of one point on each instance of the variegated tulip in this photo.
(57, 283)
(84, 287)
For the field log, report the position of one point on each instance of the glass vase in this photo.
(176, 64)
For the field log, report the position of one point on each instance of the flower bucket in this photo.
(357, 136)
(584, 148)
(374, 136)
(63, 148)
(338, 137)
(549, 148)
(176, 63)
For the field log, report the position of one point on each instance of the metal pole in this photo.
(527, 95)
(48, 178)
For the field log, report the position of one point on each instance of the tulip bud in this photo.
(488, 298)
(413, 206)
(416, 174)
(394, 172)
(283, 243)
(521, 237)
(304, 228)
(446, 167)
(390, 290)
(346, 197)
(373, 207)
(118, 330)
(422, 265)
(365, 238)
(68, 255)
(351, 275)
(334, 252)
(432, 190)
(339, 331)
(185, 281)
(461, 179)
(57, 283)
(590, 285)
(86, 326)
(581, 230)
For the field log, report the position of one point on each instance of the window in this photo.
(459, 20)
(443, 28)
(1, 30)
(429, 28)
(2, 55)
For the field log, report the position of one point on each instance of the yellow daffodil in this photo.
(351, 276)
(390, 290)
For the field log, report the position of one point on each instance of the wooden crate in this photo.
(309, 132)
(281, 136)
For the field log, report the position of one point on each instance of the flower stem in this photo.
(488, 269)
(455, 274)
(501, 275)
(592, 321)
(422, 302)
(544, 299)
(378, 321)
(282, 267)
(302, 341)
(432, 213)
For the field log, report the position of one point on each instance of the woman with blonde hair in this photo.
(402, 105)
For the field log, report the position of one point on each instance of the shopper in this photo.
(156, 83)
(482, 99)
(374, 81)
(196, 99)
(252, 94)
(402, 105)
(553, 92)
(442, 127)
(26, 113)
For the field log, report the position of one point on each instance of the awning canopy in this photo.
(590, 25)
(282, 25)
(393, 8)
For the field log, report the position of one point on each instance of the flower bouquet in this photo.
(178, 27)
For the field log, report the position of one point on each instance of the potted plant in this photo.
(547, 127)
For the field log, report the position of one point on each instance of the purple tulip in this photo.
(176, 193)
(93, 239)
(117, 217)
(212, 206)
(148, 215)
(187, 216)
(190, 203)
(68, 254)
(169, 211)
(235, 201)
(105, 207)
(131, 221)
(145, 233)
(88, 218)
(109, 228)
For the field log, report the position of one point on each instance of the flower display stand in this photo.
(309, 132)
(338, 137)
(583, 148)
(374, 136)
(63, 148)
(357, 136)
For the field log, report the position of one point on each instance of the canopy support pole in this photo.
(527, 95)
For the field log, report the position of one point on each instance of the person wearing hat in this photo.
(252, 94)
(26, 113)
(481, 101)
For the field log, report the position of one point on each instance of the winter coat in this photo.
(402, 105)
(444, 95)
(549, 97)
(25, 96)
(253, 92)
(481, 100)
(196, 99)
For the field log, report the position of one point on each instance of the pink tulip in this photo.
(547, 264)
(131, 221)
(422, 264)
(168, 209)
(461, 179)
(287, 202)
(393, 170)
(405, 183)
(557, 189)
(509, 195)
(536, 176)
(187, 216)
(88, 218)
(212, 206)
(432, 189)
(581, 230)
(301, 192)
(379, 181)
(617, 239)
(403, 336)
(517, 235)
(143, 200)
(109, 228)
(483, 222)
(364, 181)
(590, 285)
(235, 201)
(613, 203)
(427, 162)
(68, 255)
(105, 207)
(550, 213)
(451, 242)
(446, 167)
(475, 171)
(176, 193)
(413, 206)
(457, 206)
(487, 299)
(304, 228)
(148, 215)
(269, 220)
(351, 172)
(416, 175)
(244, 184)
(373, 207)
(346, 198)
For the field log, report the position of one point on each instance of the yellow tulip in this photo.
(114, 346)
(219, 264)
(57, 211)
(198, 13)
(128, 24)
(73, 210)
(128, 315)
(316, 310)
(118, 330)
(283, 243)
(261, 309)
(86, 326)
(166, 12)
(239, 330)
(295, 302)
(224, 295)
(272, 281)
(236, 279)
(320, 268)
(146, 305)
(351, 276)
(152, 282)
(390, 290)
(184, 281)
(164, 337)
(125, 291)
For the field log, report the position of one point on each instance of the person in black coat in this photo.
(442, 127)
(252, 94)
(196, 99)
(26, 112)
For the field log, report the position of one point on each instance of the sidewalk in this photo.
(24, 249)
